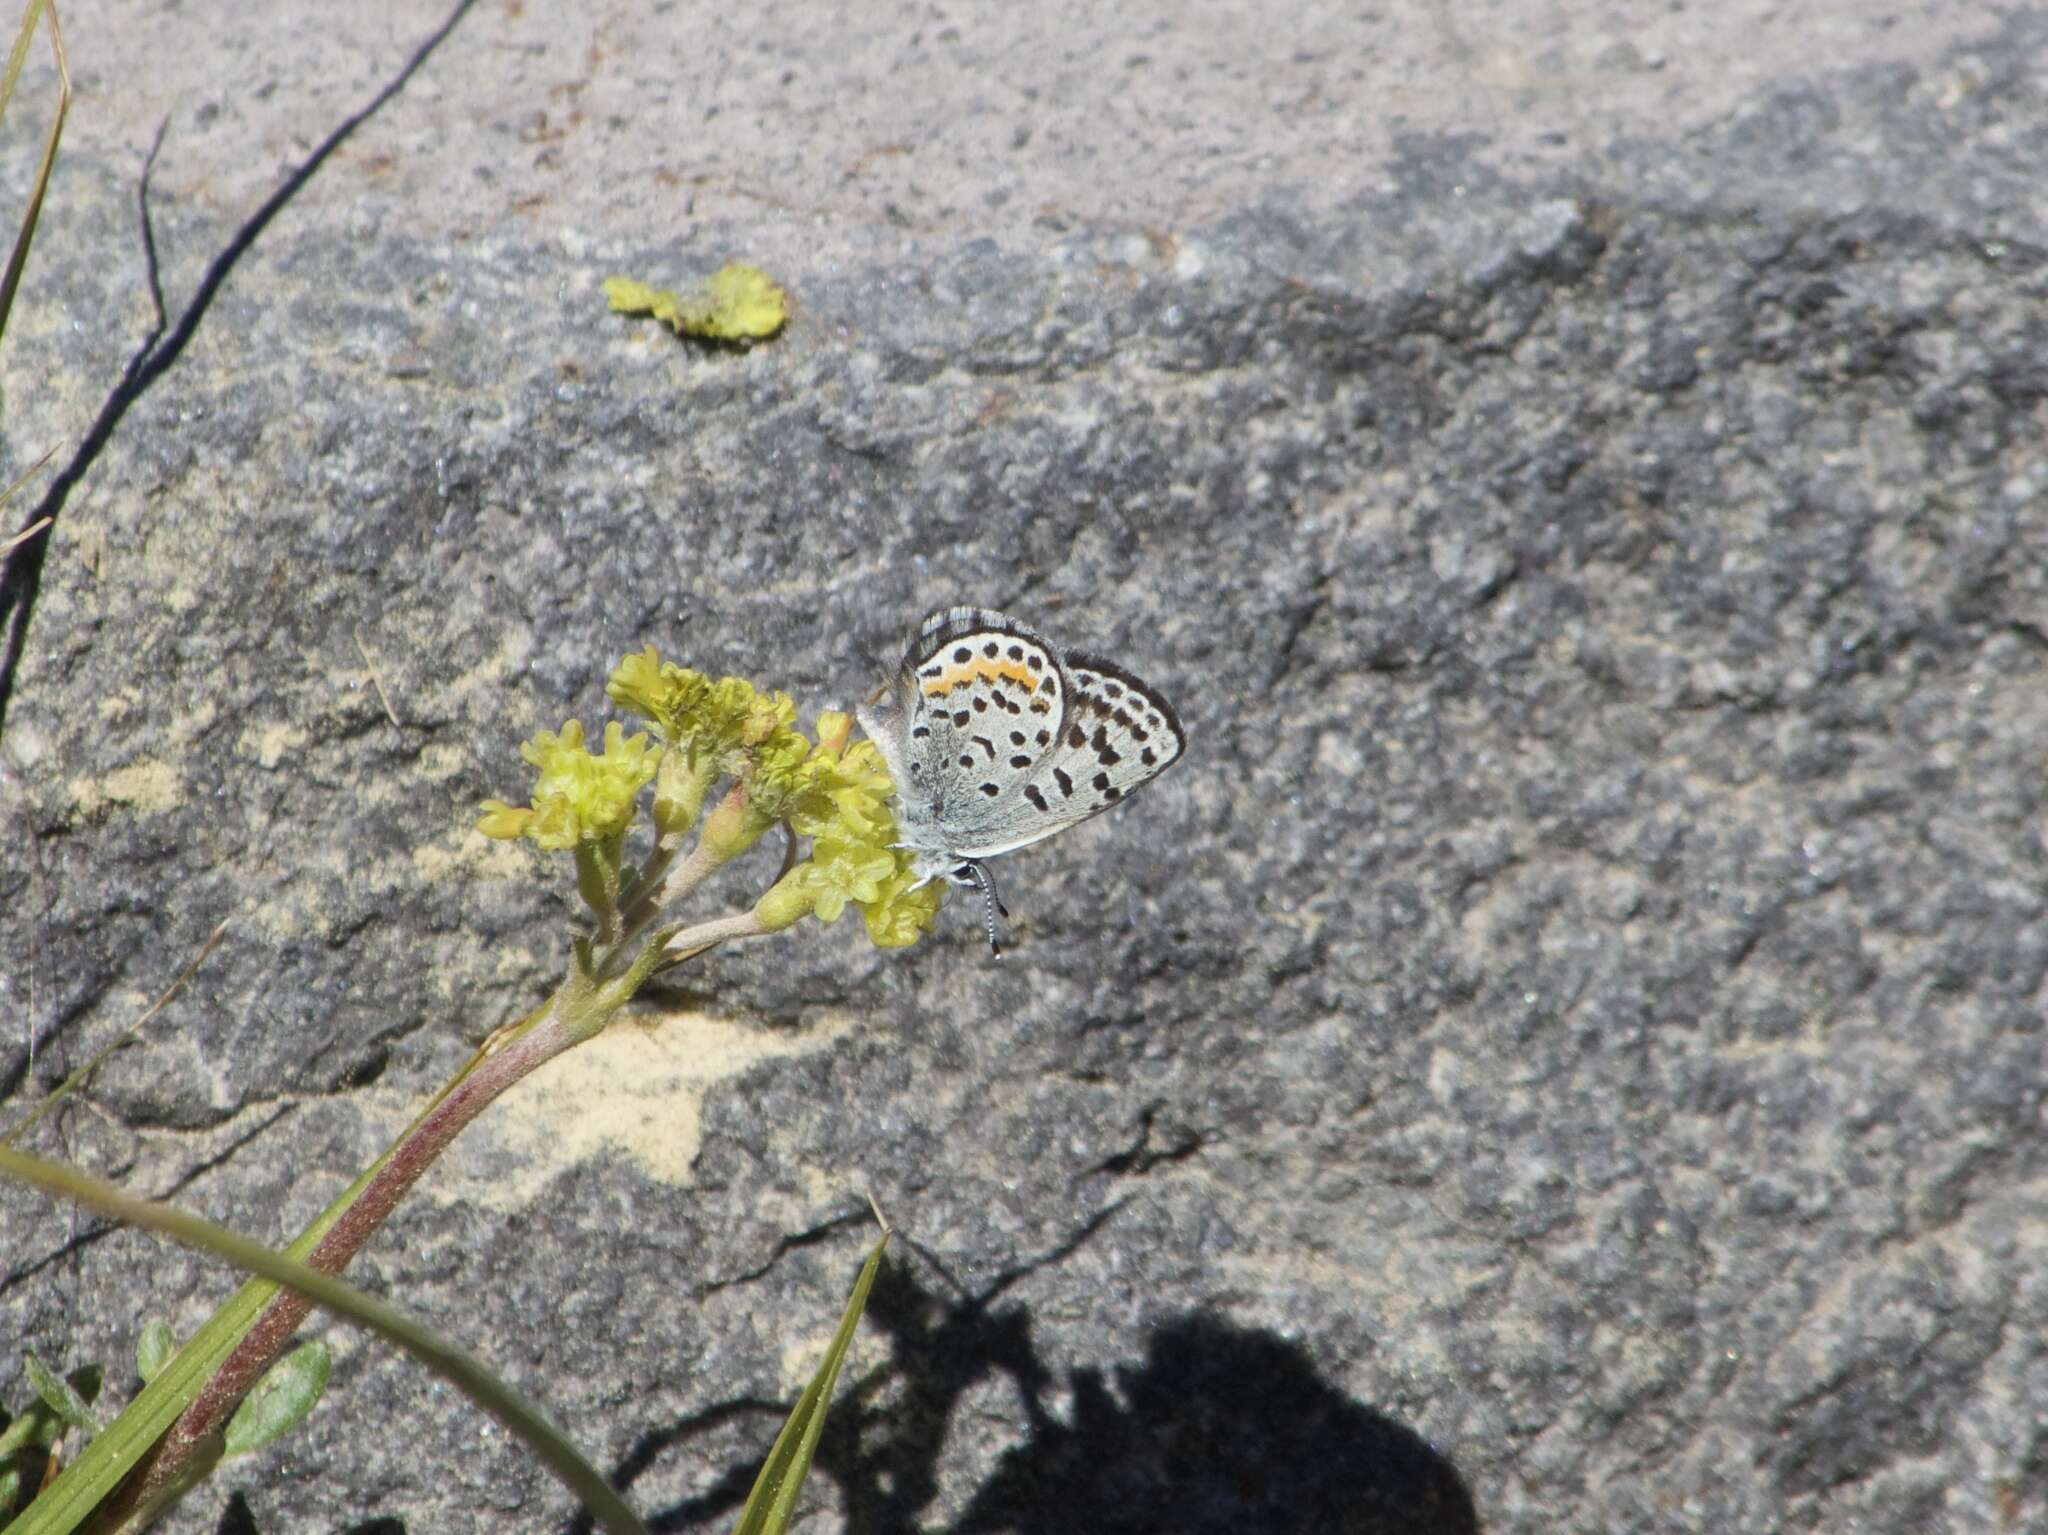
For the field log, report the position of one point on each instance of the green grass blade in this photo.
(17, 259)
(195, 1364)
(85, 1484)
(19, 55)
(773, 1501)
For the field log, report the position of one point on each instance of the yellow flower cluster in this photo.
(580, 796)
(834, 793)
(725, 720)
(843, 807)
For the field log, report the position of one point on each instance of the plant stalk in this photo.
(413, 1153)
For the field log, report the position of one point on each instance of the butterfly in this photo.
(996, 738)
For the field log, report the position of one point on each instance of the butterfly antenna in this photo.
(992, 904)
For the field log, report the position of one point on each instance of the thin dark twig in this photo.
(149, 261)
(21, 577)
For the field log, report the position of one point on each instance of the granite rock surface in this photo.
(1563, 1051)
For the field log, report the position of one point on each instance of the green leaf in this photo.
(22, 1475)
(279, 1401)
(773, 1501)
(36, 1428)
(739, 303)
(153, 1350)
(11, 1467)
(67, 1504)
(60, 1396)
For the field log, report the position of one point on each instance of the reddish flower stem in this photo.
(414, 1152)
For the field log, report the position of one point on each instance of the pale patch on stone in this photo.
(505, 662)
(637, 1091)
(149, 786)
(470, 853)
(269, 744)
(444, 760)
(804, 1348)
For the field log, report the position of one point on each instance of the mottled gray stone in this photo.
(1564, 1051)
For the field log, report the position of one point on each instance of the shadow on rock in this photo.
(1220, 1429)
(1216, 1429)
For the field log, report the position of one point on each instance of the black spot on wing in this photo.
(1153, 721)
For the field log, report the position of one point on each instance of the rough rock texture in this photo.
(1565, 1049)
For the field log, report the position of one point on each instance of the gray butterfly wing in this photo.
(980, 698)
(1116, 734)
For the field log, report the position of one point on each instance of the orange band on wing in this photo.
(980, 667)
